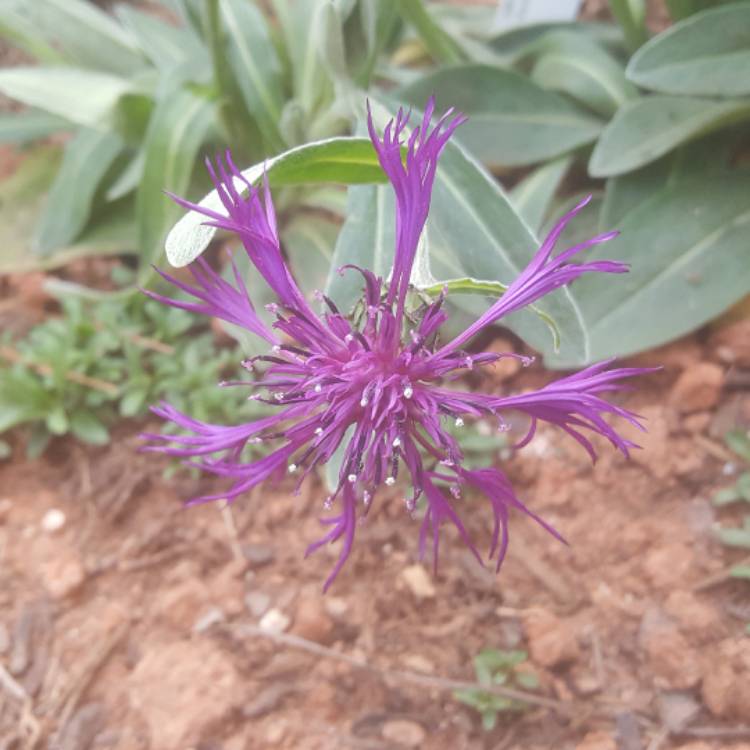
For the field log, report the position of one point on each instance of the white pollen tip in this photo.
(318, 388)
(318, 430)
(352, 478)
(363, 402)
(390, 481)
(396, 442)
(278, 396)
(408, 392)
(459, 422)
(348, 338)
(292, 468)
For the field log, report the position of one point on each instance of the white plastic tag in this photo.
(512, 13)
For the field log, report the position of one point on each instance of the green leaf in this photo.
(23, 33)
(726, 496)
(740, 571)
(512, 121)
(87, 35)
(178, 128)
(739, 442)
(438, 43)
(87, 159)
(80, 96)
(573, 64)
(645, 129)
(687, 251)
(22, 127)
(532, 196)
(23, 399)
(631, 15)
(625, 193)
(256, 65)
(707, 54)
(57, 421)
(513, 45)
(489, 719)
(165, 44)
(341, 160)
(300, 26)
(129, 179)
(87, 427)
(679, 9)
(734, 537)
(743, 486)
(308, 242)
(472, 232)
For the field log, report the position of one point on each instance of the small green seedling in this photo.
(738, 441)
(497, 667)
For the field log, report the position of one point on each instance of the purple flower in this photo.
(366, 391)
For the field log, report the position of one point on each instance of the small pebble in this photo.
(418, 581)
(213, 616)
(53, 520)
(404, 733)
(257, 603)
(275, 621)
(258, 554)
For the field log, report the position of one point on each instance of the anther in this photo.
(352, 478)
(459, 422)
(292, 468)
(390, 481)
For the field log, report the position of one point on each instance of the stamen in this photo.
(408, 391)
(292, 468)
(459, 422)
(318, 388)
(456, 491)
(390, 481)
(352, 478)
(328, 502)
(318, 430)
(366, 498)
(278, 396)
(396, 442)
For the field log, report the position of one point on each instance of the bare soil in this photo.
(136, 624)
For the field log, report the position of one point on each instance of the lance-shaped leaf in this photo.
(575, 65)
(512, 121)
(256, 65)
(687, 247)
(341, 160)
(178, 128)
(22, 127)
(87, 159)
(707, 54)
(645, 129)
(80, 96)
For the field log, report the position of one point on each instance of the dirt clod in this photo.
(418, 581)
(182, 689)
(404, 733)
(698, 388)
(552, 640)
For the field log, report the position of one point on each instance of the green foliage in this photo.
(497, 667)
(739, 442)
(100, 361)
(151, 96)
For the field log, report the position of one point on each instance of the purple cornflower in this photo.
(375, 390)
